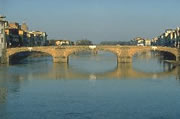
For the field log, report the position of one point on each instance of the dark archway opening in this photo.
(167, 55)
(29, 57)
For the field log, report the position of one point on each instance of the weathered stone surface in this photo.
(60, 54)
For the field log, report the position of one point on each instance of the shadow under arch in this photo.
(19, 56)
(167, 53)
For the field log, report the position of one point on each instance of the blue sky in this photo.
(96, 20)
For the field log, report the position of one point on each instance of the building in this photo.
(147, 42)
(24, 27)
(60, 42)
(13, 25)
(64, 42)
(23, 37)
(40, 38)
(30, 38)
(154, 41)
(170, 38)
(19, 35)
(3, 24)
(12, 35)
(139, 41)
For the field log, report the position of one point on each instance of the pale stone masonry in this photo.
(61, 54)
(3, 24)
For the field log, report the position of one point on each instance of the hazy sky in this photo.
(96, 20)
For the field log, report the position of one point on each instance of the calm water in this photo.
(90, 87)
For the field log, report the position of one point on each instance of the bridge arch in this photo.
(12, 52)
(70, 52)
(172, 51)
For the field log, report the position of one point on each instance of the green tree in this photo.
(84, 42)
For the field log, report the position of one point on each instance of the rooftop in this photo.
(2, 18)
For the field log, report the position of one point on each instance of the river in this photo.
(90, 87)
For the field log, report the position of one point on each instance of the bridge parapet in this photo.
(60, 54)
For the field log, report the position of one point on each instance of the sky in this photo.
(95, 20)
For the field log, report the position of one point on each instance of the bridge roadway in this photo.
(61, 54)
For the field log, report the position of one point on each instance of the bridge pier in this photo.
(94, 52)
(123, 55)
(124, 59)
(4, 58)
(60, 59)
(178, 57)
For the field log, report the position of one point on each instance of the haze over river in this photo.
(90, 87)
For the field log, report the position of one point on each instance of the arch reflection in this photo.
(64, 71)
(3, 95)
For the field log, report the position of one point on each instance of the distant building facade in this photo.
(139, 41)
(60, 42)
(19, 35)
(40, 37)
(12, 35)
(24, 27)
(171, 38)
(147, 42)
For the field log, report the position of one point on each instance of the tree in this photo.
(84, 42)
(116, 43)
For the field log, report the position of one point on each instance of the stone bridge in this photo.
(61, 54)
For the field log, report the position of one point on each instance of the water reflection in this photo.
(122, 71)
(49, 70)
(3, 95)
(151, 62)
(44, 85)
